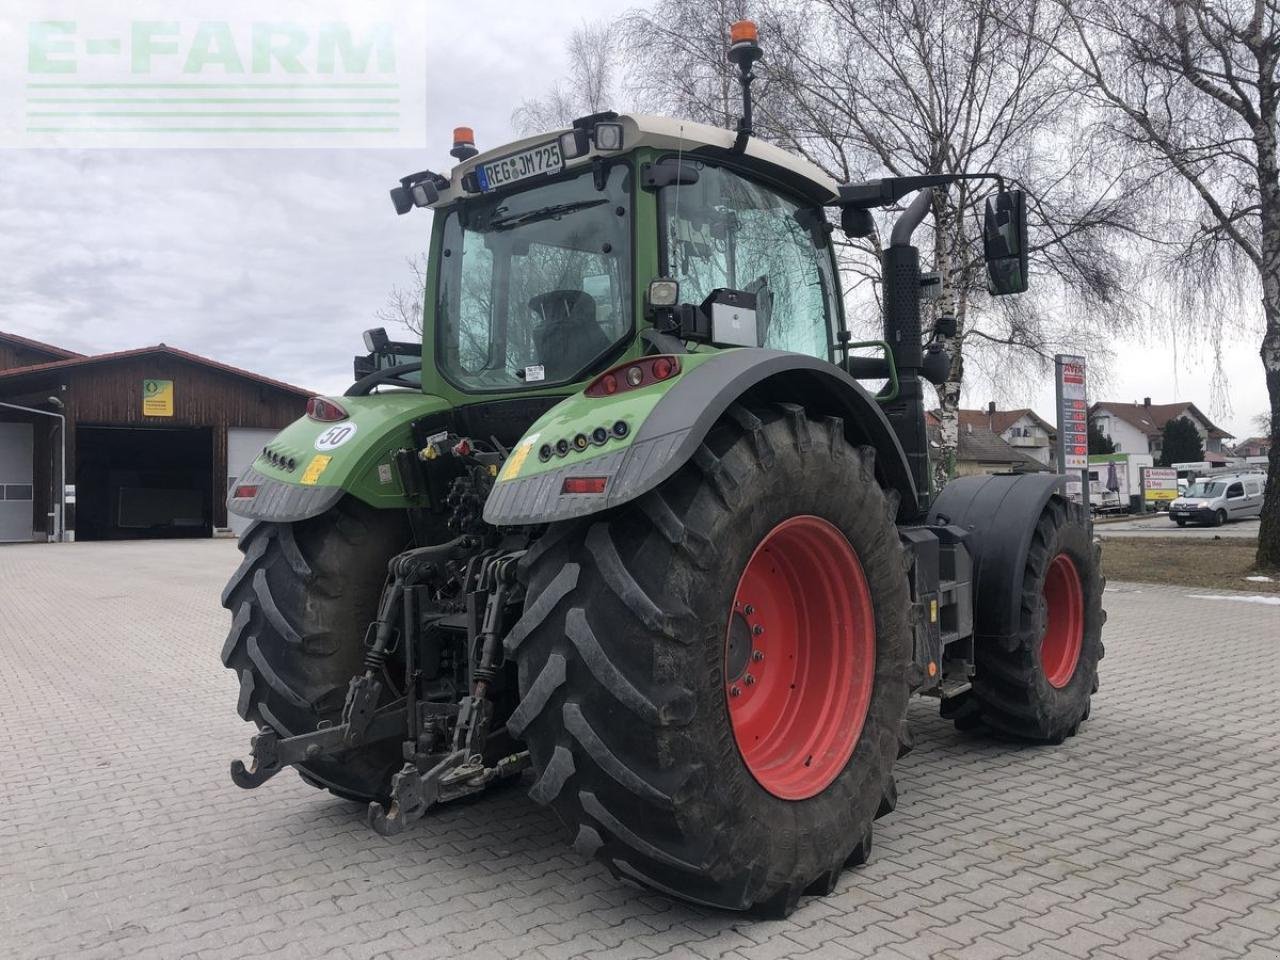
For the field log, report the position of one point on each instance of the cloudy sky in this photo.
(275, 260)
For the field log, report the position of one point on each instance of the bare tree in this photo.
(403, 306)
(1189, 88)
(866, 88)
(593, 60)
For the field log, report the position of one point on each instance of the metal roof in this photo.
(80, 361)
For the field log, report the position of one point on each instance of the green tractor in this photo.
(627, 519)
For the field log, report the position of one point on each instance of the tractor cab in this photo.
(558, 256)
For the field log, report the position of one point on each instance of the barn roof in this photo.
(79, 361)
(37, 346)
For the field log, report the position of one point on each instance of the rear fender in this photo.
(666, 423)
(1000, 514)
(310, 465)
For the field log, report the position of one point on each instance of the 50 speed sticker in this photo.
(335, 436)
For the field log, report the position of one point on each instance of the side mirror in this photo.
(1004, 243)
(856, 222)
(363, 366)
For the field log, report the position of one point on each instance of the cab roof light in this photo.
(574, 143)
(325, 410)
(464, 143)
(608, 136)
(633, 375)
(744, 31)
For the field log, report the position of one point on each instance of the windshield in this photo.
(535, 287)
(1205, 489)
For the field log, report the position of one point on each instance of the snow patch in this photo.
(1259, 579)
(1246, 598)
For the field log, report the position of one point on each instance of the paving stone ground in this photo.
(1155, 833)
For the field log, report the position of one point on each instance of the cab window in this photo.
(727, 231)
(1235, 490)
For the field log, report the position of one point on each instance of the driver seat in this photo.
(567, 334)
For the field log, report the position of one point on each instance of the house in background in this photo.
(1139, 427)
(1022, 429)
(1255, 447)
(980, 451)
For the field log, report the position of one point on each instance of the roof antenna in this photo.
(744, 50)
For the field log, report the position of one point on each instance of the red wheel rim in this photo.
(800, 657)
(1064, 621)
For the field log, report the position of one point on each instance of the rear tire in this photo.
(1037, 686)
(301, 601)
(622, 655)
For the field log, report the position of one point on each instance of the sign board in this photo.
(1073, 412)
(1159, 484)
(157, 398)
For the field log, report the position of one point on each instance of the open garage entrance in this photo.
(138, 482)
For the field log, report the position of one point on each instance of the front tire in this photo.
(627, 663)
(301, 601)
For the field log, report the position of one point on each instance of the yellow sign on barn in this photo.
(157, 398)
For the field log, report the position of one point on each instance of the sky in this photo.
(276, 260)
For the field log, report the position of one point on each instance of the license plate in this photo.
(534, 162)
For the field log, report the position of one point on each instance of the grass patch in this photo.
(1216, 564)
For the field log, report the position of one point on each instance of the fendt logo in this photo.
(319, 74)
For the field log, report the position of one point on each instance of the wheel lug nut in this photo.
(735, 691)
(748, 679)
(757, 656)
(749, 610)
(757, 630)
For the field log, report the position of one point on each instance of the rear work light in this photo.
(245, 491)
(326, 411)
(583, 484)
(633, 375)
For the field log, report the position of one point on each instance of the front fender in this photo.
(667, 423)
(310, 465)
(1000, 514)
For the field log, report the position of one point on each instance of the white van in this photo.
(1216, 500)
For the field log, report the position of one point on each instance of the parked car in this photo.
(1215, 500)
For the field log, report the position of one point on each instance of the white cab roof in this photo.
(663, 133)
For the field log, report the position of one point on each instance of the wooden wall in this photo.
(110, 394)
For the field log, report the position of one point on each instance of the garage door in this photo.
(243, 446)
(16, 460)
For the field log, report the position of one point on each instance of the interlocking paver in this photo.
(1152, 834)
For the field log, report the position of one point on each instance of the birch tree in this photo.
(868, 88)
(1189, 88)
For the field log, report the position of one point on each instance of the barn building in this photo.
(152, 439)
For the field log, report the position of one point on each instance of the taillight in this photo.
(245, 491)
(633, 375)
(583, 484)
(325, 410)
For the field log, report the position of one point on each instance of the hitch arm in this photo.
(270, 754)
